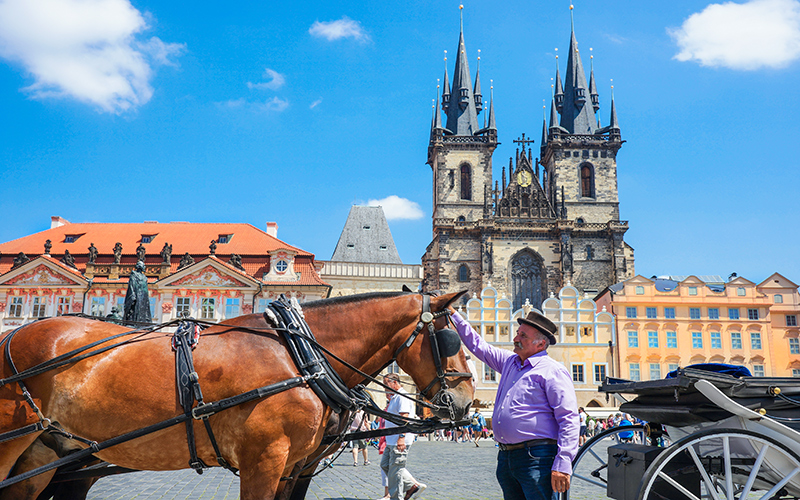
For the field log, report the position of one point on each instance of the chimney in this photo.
(56, 221)
(272, 229)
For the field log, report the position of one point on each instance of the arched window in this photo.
(463, 273)
(589, 252)
(528, 279)
(466, 182)
(587, 181)
(461, 218)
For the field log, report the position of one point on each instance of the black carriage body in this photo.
(675, 401)
(627, 463)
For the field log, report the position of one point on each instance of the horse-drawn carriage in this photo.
(708, 436)
(274, 395)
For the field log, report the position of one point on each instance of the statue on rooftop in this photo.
(186, 261)
(68, 259)
(117, 252)
(47, 246)
(92, 253)
(137, 299)
(140, 251)
(166, 253)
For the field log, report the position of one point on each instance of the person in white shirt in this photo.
(402, 484)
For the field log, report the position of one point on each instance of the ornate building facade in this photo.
(548, 220)
(675, 321)
(207, 271)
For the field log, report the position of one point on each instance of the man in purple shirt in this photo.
(535, 419)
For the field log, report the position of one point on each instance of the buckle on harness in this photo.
(205, 414)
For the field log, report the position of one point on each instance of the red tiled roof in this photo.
(308, 276)
(184, 237)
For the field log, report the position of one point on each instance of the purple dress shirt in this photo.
(535, 397)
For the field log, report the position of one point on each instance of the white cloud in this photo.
(275, 81)
(275, 104)
(398, 208)
(83, 49)
(341, 28)
(315, 103)
(746, 36)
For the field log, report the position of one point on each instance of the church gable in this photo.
(39, 275)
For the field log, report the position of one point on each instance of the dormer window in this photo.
(383, 247)
(281, 266)
(350, 245)
(367, 227)
(71, 238)
(224, 238)
(148, 238)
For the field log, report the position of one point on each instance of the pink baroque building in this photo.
(204, 270)
(673, 321)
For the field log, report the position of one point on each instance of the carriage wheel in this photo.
(722, 464)
(590, 466)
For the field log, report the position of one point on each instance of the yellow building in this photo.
(677, 321)
(585, 339)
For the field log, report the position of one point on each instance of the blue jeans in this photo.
(524, 474)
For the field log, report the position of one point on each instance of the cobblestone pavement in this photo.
(452, 471)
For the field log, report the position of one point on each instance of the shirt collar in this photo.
(531, 360)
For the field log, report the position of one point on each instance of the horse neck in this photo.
(365, 334)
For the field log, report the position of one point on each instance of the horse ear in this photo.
(444, 301)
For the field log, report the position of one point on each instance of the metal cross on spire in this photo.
(523, 141)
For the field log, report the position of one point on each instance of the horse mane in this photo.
(348, 299)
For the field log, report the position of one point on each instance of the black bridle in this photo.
(443, 398)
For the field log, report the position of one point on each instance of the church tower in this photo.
(460, 156)
(553, 221)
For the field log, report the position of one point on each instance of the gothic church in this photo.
(550, 220)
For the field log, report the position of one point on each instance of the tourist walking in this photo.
(402, 484)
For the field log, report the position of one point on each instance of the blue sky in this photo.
(292, 112)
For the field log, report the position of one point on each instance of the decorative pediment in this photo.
(41, 275)
(208, 276)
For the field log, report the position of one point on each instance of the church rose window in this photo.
(527, 279)
(466, 183)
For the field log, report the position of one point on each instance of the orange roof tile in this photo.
(183, 236)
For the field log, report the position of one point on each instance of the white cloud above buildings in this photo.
(315, 103)
(274, 81)
(90, 51)
(341, 28)
(396, 208)
(741, 36)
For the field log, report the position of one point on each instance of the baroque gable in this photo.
(208, 276)
(41, 275)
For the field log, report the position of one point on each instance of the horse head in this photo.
(437, 363)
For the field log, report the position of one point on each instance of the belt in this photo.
(526, 444)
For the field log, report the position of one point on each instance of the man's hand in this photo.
(558, 480)
(401, 446)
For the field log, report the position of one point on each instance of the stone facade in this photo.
(548, 221)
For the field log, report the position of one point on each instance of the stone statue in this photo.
(114, 315)
(137, 300)
(68, 259)
(47, 246)
(166, 254)
(117, 252)
(140, 251)
(186, 261)
(20, 259)
(92, 253)
(212, 248)
(236, 261)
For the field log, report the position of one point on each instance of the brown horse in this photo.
(133, 386)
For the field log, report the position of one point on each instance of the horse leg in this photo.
(36, 455)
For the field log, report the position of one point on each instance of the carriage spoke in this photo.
(726, 451)
(709, 484)
(780, 485)
(754, 472)
(589, 480)
(595, 455)
(678, 486)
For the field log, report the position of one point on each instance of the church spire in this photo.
(492, 125)
(446, 87)
(576, 116)
(559, 93)
(543, 143)
(462, 115)
(592, 86)
(437, 118)
(477, 91)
